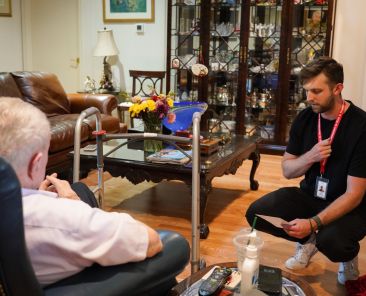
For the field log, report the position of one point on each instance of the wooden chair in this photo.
(143, 83)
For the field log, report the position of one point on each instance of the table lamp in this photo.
(106, 46)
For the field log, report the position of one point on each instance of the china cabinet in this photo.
(254, 50)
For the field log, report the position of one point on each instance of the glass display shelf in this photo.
(254, 51)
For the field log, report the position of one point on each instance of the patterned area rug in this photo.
(118, 190)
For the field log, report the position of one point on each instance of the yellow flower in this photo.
(143, 105)
(154, 108)
(134, 110)
(170, 102)
(150, 105)
(162, 96)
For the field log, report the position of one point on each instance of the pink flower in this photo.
(171, 117)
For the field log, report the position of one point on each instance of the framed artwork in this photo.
(129, 11)
(5, 7)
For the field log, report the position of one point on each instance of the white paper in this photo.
(276, 221)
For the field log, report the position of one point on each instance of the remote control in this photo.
(215, 282)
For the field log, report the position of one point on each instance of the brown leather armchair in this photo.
(44, 91)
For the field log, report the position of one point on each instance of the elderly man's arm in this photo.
(155, 244)
(61, 187)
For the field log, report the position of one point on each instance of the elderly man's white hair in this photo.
(24, 131)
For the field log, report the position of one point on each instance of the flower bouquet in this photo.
(152, 111)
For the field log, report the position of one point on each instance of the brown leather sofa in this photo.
(44, 91)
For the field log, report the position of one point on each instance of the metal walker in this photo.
(101, 135)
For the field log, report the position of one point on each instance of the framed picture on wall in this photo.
(5, 7)
(130, 11)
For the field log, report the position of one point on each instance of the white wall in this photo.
(146, 51)
(50, 43)
(11, 40)
(350, 48)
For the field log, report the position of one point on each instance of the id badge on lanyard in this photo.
(321, 187)
(321, 184)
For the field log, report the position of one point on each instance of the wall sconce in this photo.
(106, 46)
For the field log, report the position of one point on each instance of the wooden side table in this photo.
(98, 91)
(185, 284)
(121, 109)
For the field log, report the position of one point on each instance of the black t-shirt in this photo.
(348, 156)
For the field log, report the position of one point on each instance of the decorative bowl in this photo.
(184, 114)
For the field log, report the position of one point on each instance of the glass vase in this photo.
(151, 145)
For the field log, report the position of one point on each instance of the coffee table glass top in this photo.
(117, 149)
(114, 149)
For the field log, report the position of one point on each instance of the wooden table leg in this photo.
(255, 157)
(206, 187)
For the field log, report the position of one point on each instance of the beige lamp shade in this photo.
(106, 46)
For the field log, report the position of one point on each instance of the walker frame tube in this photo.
(196, 262)
(195, 258)
(99, 141)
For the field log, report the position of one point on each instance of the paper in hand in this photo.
(276, 221)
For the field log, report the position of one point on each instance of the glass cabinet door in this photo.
(254, 51)
(263, 58)
(309, 41)
(185, 48)
(223, 55)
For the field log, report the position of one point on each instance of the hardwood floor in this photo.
(167, 205)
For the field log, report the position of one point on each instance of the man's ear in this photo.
(338, 89)
(34, 164)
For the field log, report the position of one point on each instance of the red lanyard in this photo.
(335, 127)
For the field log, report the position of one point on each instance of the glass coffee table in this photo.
(295, 286)
(129, 161)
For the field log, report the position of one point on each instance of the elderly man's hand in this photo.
(61, 187)
(47, 185)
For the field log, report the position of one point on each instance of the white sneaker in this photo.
(348, 271)
(303, 254)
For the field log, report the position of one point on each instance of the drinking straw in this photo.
(254, 222)
(253, 227)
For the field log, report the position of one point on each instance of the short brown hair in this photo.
(326, 65)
